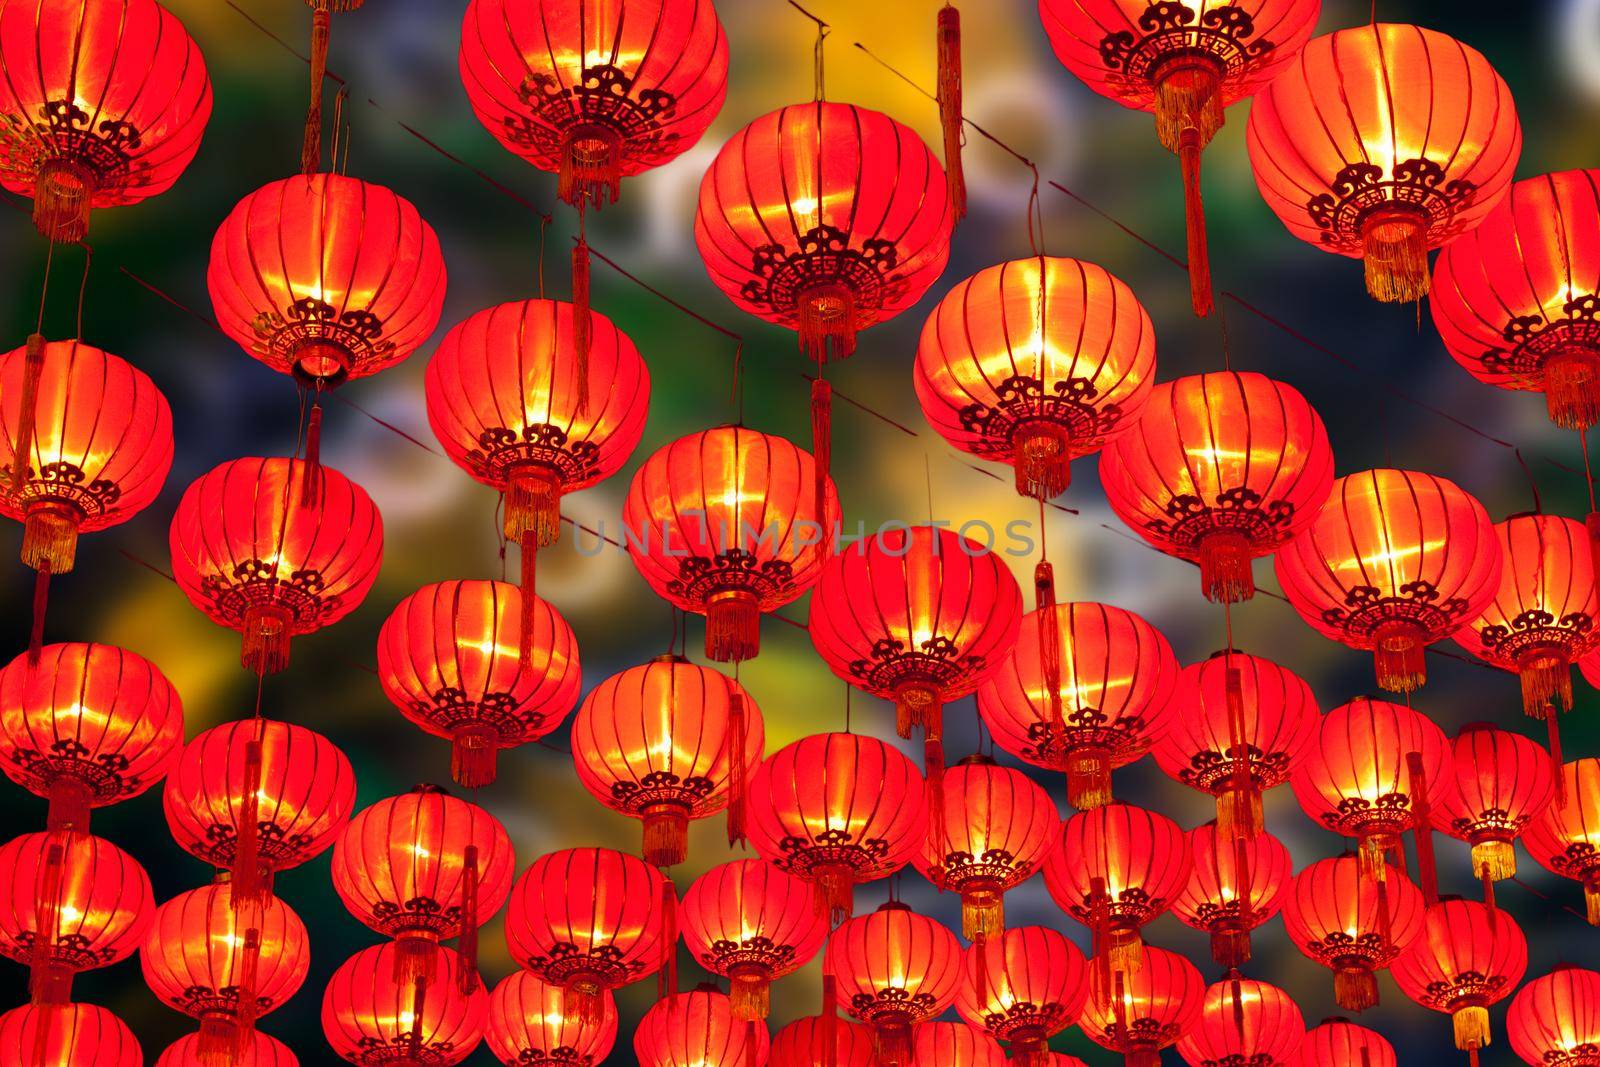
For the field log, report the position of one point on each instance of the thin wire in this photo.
(1533, 486)
(737, 393)
(83, 286)
(817, 52)
(44, 288)
(544, 227)
(1588, 473)
(1227, 354)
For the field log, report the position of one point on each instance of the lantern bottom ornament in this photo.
(1394, 242)
(1042, 454)
(533, 504)
(63, 190)
(1571, 376)
(50, 536)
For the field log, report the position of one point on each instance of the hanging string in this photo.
(1222, 323)
(817, 51)
(44, 288)
(847, 727)
(1588, 473)
(544, 226)
(736, 389)
(1533, 486)
(83, 287)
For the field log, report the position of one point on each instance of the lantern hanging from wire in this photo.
(697, 1029)
(1502, 781)
(1034, 363)
(805, 1043)
(1554, 1020)
(1341, 1043)
(1235, 885)
(528, 1024)
(1024, 986)
(1223, 468)
(1141, 1009)
(260, 1051)
(1243, 1021)
(1468, 956)
(1394, 561)
(373, 1021)
(321, 30)
(1382, 142)
(67, 1035)
(1564, 838)
(894, 969)
(1339, 915)
(955, 1045)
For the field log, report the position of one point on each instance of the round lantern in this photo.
(1468, 956)
(752, 924)
(1554, 1020)
(325, 278)
(1340, 1043)
(1235, 884)
(893, 970)
(450, 658)
(528, 1024)
(697, 1029)
(1243, 1021)
(104, 102)
(804, 1043)
(955, 1045)
(68, 1035)
(1117, 868)
(1241, 725)
(594, 94)
(1113, 676)
(997, 829)
(259, 1051)
(1337, 914)
(373, 1021)
(1140, 1010)
(69, 902)
(87, 725)
(517, 404)
(659, 743)
(1034, 363)
(824, 218)
(589, 920)
(724, 523)
(1394, 561)
(1024, 986)
(1502, 781)
(1516, 299)
(919, 616)
(253, 552)
(837, 810)
(1384, 141)
(1565, 837)
(1224, 468)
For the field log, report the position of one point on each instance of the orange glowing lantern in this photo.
(1026, 985)
(894, 970)
(1243, 1021)
(1340, 1043)
(1565, 838)
(1502, 782)
(1554, 1020)
(955, 1045)
(259, 1051)
(1468, 956)
(1140, 1010)
(804, 1043)
(373, 1021)
(1339, 915)
(528, 1024)
(697, 1029)
(1235, 885)
(68, 1035)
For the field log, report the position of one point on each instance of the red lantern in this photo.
(1342, 917)
(955, 1045)
(752, 924)
(894, 969)
(1112, 699)
(825, 243)
(113, 96)
(1338, 1043)
(658, 742)
(1243, 1021)
(69, 902)
(1554, 1020)
(697, 1029)
(1468, 956)
(252, 552)
(1383, 142)
(594, 94)
(1502, 781)
(449, 657)
(1241, 725)
(528, 1023)
(372, 1021)
(998, 827)
(326, 278)
(804, 1043)
(724, 523)
(86, 726)
(68, 1035)
(1224, 468)
(1185, 64)
(1034, 363)
(1565, 837)
(259, 1051)
(1394, 561)
(1023, 987)
(1235, 885)
(1143, 1009)
(837, 810)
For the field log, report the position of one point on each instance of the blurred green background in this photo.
(399, 60)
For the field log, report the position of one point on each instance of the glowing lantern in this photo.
(697, 1029)
(1502, 781)
(1024, 986)
(68, 1035)
(1565, 837)
(1554, 1020)
(1339, 1043)
(1034, 363)
(893, 969)
(1243, 1021)
(1224, 468)
(373, 1021)
(259, 1051)
(1384, 141)
(1352, 923)
(1235, 885)
(955, 1045)
(1468, 956)
(1143, 1009)
(804, 1043)
(528, 1024)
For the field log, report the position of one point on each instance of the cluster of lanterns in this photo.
(1380, 142)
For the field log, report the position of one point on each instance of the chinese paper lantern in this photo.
(67, 1035)
(1224, 468)
(87, 725)
(824, 218)
(528, 1023)
(589, 920)
(1241, 725)
(724, 523)
(1114, 678)
(697, 1029)
(252, 553)
(594, 94)
(1468, 956)
(69, 902)
(259, 1051)
(1394, 561)
(450, 658)
(373, 1021)
(804, 1043)
(894, 970)
(752, 924)
(1117, 867)
(1024, 986)
(955, 1045)
(326, 278)
(1352, 923)
(1502, 780)
(837, 810)
(1243, 1021)
(1340, 1043)
(998, 827)
(1235, 884)
(106, 101)
(1185, 65)
(1565, 837)
(1139, 1011)
(1034, 363)
(1384, 141)
(1554, 1020)
(659, 743)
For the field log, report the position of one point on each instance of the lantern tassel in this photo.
(467, 941)
(1142, 1057)
(1125, 948)
(49, 538)
(1497, 858)
(825, 318)
(1230, 945)
(264, 648)
(1422, 828)
(1194, 215)
(216, 1041)
(949, 96)
(1089, 778)
(1226, 576)
(1397, 653)
(311, 479)
(590, 171)
(933, 770)
(415, 957)
(738, 738)
(474, 754)
(533, 505)
(63, 196)
(1029, 1051)
(749, 991)
(582, 320)
(1546, 676)
(821, 450)
(41, 605)
(48, 981)
(22, 445)
(1471, 1026)
(583, 999)
(1572, 388)
(666, 835)
(245, 885)
(667, 978)
(1044, 602)
(891, 1042)
(1591, 899)
(311, 142)
(833, 893)
(733, 626)
(983, 914)
(528, 606)
(1042, 456)
(1355, 988)
(70, 801)
(1395, 254)
(1239, 812)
